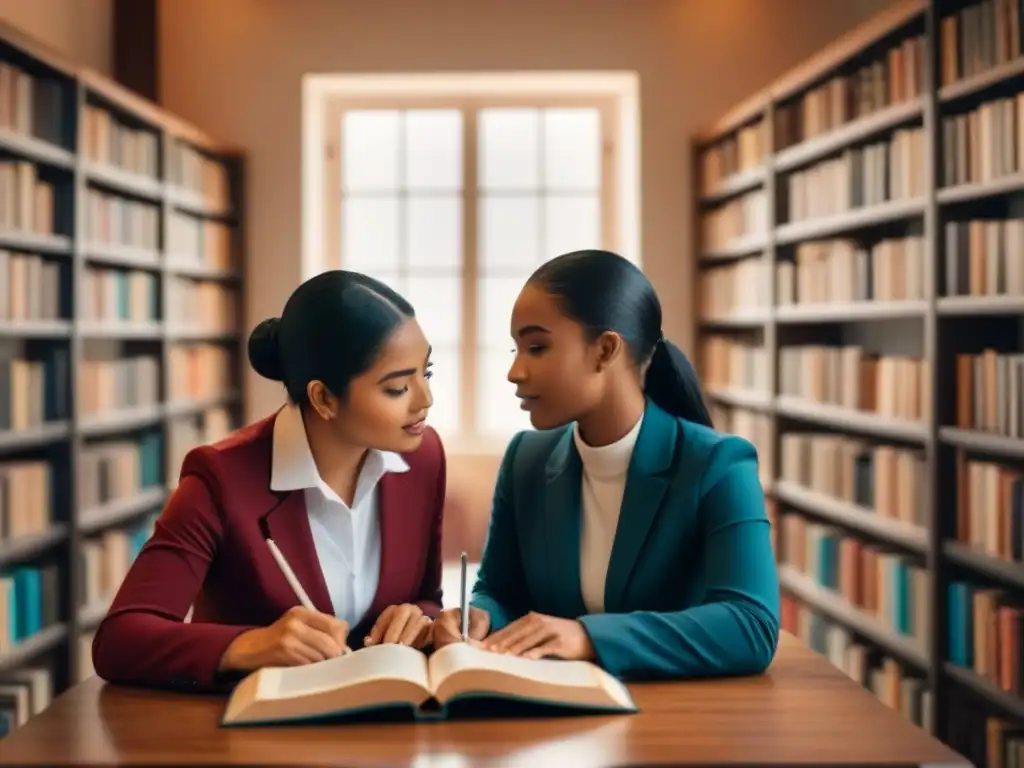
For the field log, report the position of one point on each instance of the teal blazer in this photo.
(692, 588)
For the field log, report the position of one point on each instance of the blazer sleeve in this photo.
(500, 587)
(430, 594)
(144, 640)
(735, 630)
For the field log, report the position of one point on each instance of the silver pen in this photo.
(464, 599)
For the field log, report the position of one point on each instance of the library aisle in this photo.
(120, 309)
(863, 323)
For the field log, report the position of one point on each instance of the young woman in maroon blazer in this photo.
(346, 480)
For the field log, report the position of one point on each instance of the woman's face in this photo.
(386, 407)
(556, 371)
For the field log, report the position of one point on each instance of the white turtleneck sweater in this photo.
(604, 480)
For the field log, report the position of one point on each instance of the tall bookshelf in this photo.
(860, 240)
(121, 268)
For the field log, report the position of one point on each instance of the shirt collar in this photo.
(292, 464)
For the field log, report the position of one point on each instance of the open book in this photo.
(391, 676)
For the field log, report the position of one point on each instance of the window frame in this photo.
(468, 437)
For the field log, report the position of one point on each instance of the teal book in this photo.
(396, 677)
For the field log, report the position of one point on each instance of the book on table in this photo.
(399, 677)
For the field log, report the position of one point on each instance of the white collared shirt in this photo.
(605, 469)
(347, 539)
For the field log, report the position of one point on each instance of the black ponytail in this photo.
(672, 383)
(603, 292)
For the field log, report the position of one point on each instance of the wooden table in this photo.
(803, 711)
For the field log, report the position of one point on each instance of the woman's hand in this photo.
(300, 636)
(537, 635)
(448, 627)
(404, 624)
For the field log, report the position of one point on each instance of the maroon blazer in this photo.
(208, 550)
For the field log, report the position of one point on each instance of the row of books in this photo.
(193, 172)
(884, 583)
(26, 498)
(850, 377)
(898, 688)
(988, 392)
(740, 151)
(203, 305)
(730, 363)
(115, 220)
(885, 480)
(26, 201)
(752, 426)
(199, 371)
(896, 75)
(106, 559)
(29, 602)
(107, 139)
(30, 287)
(984, 143)
(116, 470)
(990, 508)
(844, 270)
(982, 257)
(875, 173)
(199, 242)
(742, 216)
(116, 295)
(109, 386)
(735, 289)
(24, 693)
(977, 38)
(30, 105)
(34, 392)
(986, 633)
(186, 432)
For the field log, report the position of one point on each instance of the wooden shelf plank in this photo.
(36, 150)
(1012, 705)
(848, 135)
(121, 510)
(984, 442)
(121, 420)
(960, 193)
(758, 401)
(853, 311)
(844, 222)
(738, 183)
(35, 243)
(35, 329)
(980, 305)
(846, 418)
(972, 85)
(838, 609)
(34, 646)
(16, 440)
(25, 548)
(1010, 573)
(853, 515)
(749, 245)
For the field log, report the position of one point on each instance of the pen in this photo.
(464, 601)
(289, 575)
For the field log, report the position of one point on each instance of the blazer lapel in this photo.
(562, 526)
(646, 483)
(288, 525)
(395, 542)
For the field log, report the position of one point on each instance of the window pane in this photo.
(433, 149)
(508, 149)
(438, 305)
(434, 232)
(497, 410)
(369, 234)
(572, 149)
(369, 153)
(571, 224)
(445, 388)
(495, 298)
(509, 234)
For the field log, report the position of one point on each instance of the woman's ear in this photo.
(321, 400)
(609, 349)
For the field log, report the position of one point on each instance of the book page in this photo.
(459, 657)
(381, 662)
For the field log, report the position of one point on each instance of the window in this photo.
(454, 202)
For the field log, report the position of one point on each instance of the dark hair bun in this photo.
(265, 351)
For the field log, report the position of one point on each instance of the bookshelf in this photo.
(121, 271)
(860, 241)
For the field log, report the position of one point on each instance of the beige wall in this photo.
(234, 67)
(79, 30)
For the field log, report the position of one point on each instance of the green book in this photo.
(388, 677)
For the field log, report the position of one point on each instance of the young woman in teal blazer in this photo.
(626, 531)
